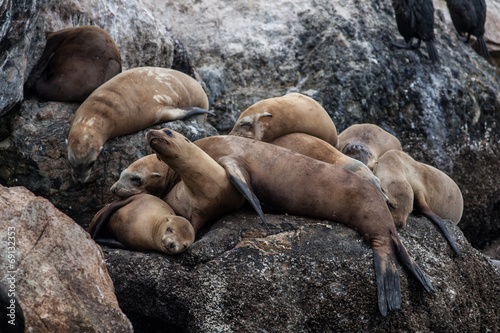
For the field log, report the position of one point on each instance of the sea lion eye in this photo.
(137, 180)
(169, 229)
(169, 133)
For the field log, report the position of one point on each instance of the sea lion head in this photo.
(81, 162)
(146, 175)
(166, 143)
(400, 194)
(178, 235)
(361, 153)
(254, 126)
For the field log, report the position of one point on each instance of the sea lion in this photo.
(270, 173)
(142, 222)
(411, 185)
(292, 113)
(132, 100)
(149, 175)
(75, 62)
(366, 142)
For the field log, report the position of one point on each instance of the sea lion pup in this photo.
(131, 101)
(366, 142)
(411, 185)
(415, 19)
(142, 223)
(324, 191)
(292, 113)
(149, 175)
(75, 62)
(469, 17)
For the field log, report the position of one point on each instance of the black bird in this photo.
(415, 19)
(468, 17)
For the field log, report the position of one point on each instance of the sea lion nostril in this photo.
(169, 133)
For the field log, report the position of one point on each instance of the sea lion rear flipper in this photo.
(408, 262)
(110, 242)
(241, 181)
(194, 110)
(387, 275)
(437, 220)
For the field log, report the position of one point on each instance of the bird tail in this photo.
(432, 51)
(483, 50)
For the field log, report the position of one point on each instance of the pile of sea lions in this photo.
(415, 20)
(276, 145)
(283, 155)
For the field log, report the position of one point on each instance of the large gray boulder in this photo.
(339, 53)
(306, 276)
(55, 270)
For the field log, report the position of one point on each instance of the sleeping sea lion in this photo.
(131, 101)
(142, 222)
(411, 185)
(293, 113)
(75, 62)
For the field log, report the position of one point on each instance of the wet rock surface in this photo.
(306, 276)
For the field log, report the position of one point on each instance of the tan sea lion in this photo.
(411, 185)
(133, 100)
(75, 62)
(149, 175)
(292, 183)
(366, 143)
(142, 222)
(293, 113)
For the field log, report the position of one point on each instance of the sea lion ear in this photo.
(156, 174)
(267, 114)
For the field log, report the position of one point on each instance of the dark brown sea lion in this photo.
(131, 101)
(411, 185)
(288, 182)
(76, 61)
(142, 222)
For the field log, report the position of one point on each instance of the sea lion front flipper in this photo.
(96, 227)
(194, 110)
(387, 276)
(408, 262)
(425, 210)
(241, 181)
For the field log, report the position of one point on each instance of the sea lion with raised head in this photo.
(131, 101)
(366, 142)
(142, 223)
(75, 62)
(293, 113)
(271, 173)
(411, 185)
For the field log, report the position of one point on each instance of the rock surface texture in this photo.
(59, 274)
(307, 276)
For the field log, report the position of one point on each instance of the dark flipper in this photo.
(405, 46)
(434, 218)
(241, 182)
(96, 227)
(387, 275)
(483, 50)
(432, 51)
(408, 262)
(110, 242)
(194, 110)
